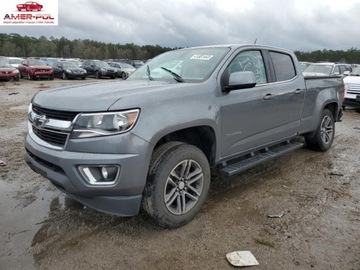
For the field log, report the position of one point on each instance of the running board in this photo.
(258, 157)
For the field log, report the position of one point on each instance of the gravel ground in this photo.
(317, 193)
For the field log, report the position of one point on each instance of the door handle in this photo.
(298, 91)
(268, 96)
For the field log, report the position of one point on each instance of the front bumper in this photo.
(351, 103)
(61, 167)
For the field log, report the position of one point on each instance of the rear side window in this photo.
(283, 66)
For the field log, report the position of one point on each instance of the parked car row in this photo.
(36, 68)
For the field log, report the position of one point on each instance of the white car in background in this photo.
(326, 69)
(352, 89)
(15, 61)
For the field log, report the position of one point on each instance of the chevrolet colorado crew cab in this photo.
(152, 141)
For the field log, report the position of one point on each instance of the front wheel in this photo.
(29, 77)
(324, 134)
(97, 75)
(64, 76)
(177, 185)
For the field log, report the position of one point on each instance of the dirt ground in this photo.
(318, 194)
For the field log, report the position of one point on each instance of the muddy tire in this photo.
(177, 185)
(324, 134)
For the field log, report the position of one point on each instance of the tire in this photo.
(324, 134)
(63, 76)
(97, 75)
(123, 75)
(17, 78)
(28, 76)
(177, 185)
(51, 77)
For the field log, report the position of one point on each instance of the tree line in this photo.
(25, 46)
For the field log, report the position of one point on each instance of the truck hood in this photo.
(96, 97)
(352, 79)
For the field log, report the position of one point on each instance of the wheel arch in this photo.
(202, 137)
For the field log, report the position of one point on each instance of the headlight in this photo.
(103, 69)
(102, 124)
(68, 71)
(16, 71)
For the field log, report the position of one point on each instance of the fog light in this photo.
(100, 174)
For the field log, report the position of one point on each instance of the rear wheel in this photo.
(177, 185)
(324, 134)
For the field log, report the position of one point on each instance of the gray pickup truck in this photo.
(152, 141)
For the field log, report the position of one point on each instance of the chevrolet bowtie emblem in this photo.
(40, 120)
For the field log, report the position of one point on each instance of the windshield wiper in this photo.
(176, 77)
(148, 73)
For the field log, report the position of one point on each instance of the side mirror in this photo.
(241, 80)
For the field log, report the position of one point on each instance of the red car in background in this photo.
(35, 69)
(29, 6)
(8, 72)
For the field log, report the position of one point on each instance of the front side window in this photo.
(283, 66)
(250, 61)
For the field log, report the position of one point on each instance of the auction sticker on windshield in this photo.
(201, 57)
(17, 13)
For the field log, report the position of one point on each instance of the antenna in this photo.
(255, 40)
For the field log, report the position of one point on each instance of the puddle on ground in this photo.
(18, 224)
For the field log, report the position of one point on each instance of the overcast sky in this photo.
(304, 25)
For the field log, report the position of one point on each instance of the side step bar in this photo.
(258, 157)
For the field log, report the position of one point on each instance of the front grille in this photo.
(51, 136)
(54, 114)
(353, 88)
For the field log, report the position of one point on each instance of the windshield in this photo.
(15, 61)
(323, 69)
(70, 65)
(4, 65)
(36, 62)
(102, 64)
(192, 65)
(124, 65)
(356, 72)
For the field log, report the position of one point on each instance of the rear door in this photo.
(289, 88)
